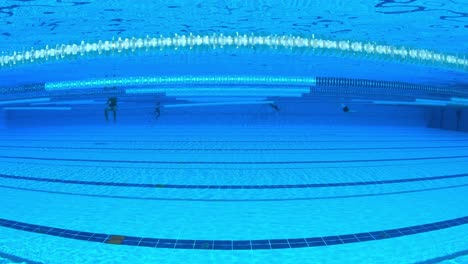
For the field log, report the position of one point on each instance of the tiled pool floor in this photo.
(284, 194)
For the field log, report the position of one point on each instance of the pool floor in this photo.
(242, 194)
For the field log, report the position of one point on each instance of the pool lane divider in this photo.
(230, 43)
(258, 244)
(191, 186)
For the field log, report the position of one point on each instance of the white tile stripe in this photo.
(38, 108)
(34, 100)
(221, 103)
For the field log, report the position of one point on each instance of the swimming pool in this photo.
(244, 132)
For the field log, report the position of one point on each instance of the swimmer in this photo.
(111, 106)
(274, 106)
(157, 110)
(346, 109)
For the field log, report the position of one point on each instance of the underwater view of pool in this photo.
(264, 131)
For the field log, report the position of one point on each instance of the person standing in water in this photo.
(111, 106)
(157, 110)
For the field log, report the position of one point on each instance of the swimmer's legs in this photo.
(114, 112)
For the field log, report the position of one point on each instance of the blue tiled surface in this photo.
(203, 244)
(233, 149)
(233, 244)
(174, 186)
(234, 162)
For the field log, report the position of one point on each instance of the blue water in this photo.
(245, 132)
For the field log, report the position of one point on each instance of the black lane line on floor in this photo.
(251, 132)
(233, 200)
(16, 259)
(201, 186)
(232, 149)
(236, 141)
(444, 258)
(225, 169)
(258, 244)
(233, 162)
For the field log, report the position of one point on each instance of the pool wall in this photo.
(300, 113)
(447, 119)
(2, 119)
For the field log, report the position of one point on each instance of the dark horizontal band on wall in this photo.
(200, 186)
(233, 244)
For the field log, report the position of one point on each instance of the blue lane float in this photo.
(221, 83)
